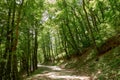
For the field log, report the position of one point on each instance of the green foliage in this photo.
(54, 30)
(107, 67)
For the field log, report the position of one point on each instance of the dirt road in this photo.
(55, 73)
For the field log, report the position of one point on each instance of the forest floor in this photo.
(86, 67)
(82, 68)
(45, 72)
(107, 67)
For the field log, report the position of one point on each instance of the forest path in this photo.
(45, 72)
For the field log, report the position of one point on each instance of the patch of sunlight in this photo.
(108, 26)
(104, 38)
(53, 75)
(51, 1)
(93, 4)
(60, 55)
(69, 77)
(59, 12)
(51, 67)
(96, 74)
(55, 68)
(119, 72)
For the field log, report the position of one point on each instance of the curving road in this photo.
(55, 73)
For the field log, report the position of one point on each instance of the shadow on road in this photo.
(45, 72)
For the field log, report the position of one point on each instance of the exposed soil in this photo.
(109, 44)
(55, 73)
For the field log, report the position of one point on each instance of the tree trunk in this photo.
(89, 29)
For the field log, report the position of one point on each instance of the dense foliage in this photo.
(33, 31)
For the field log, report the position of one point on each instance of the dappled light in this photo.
(59, 39)
(51, 67)
(56, 73)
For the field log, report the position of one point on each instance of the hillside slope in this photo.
(106, 68)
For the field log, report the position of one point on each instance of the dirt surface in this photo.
(55, 73)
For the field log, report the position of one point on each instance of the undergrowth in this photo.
(106, 68)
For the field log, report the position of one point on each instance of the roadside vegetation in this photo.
(78, 34)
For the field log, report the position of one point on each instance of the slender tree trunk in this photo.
(7, 46)
(9, 66)
(89, 28)
(28, 53)
(35, 49)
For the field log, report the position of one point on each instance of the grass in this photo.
(107, 68)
